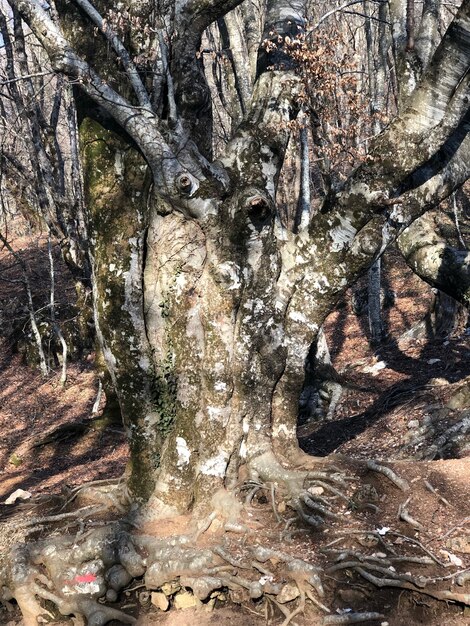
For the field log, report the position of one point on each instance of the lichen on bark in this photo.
(116, 194)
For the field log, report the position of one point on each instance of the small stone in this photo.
(19, 494)
(239, 595)
(459, 544)
(413, 424)
(316, 491)
(351, 596)
(170, 588)
(217, 594)
(281, 507)
(111, 595)
(159, 600)
(216, 525)
(185, 600)
(288, 593)
(15, 460)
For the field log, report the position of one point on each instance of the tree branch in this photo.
(427, 38)
(264, 133)
(141, 124)
(434, 260)
(120, 50)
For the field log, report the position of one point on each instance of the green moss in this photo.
(163, 392)
(116, 187)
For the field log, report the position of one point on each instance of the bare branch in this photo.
(120, 50)
(434, 260)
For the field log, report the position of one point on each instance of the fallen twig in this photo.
(89, 510)
(466, 520)
(401, 483)
(405, 516)
(430, 488)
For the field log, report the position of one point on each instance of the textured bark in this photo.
(206, 304)
(115, 186)
(375, 308)
(435, 261)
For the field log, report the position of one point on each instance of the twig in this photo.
(404, 515)
(466, 520)
(433, 490)
(401, 483)
(57, 518)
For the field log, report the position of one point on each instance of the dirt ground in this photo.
(417, 409)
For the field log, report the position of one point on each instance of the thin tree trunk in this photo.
(32, 315)
(374, 299)
(302, 216)
(55, 325)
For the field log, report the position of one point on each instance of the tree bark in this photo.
(206, 305)
(434, 260)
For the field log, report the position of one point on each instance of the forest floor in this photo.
(417, 409)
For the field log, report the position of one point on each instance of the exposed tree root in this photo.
(75, 575)
(84, 573)
(401, 483)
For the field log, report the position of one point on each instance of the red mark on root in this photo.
(86, 578)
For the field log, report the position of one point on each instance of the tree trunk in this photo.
(206, 305)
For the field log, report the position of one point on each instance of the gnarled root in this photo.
(85, 573)
(81, 577)
(312, 494)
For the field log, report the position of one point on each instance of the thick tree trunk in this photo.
(116, 190)
(206, 305)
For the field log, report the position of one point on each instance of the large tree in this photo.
(206, 303)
